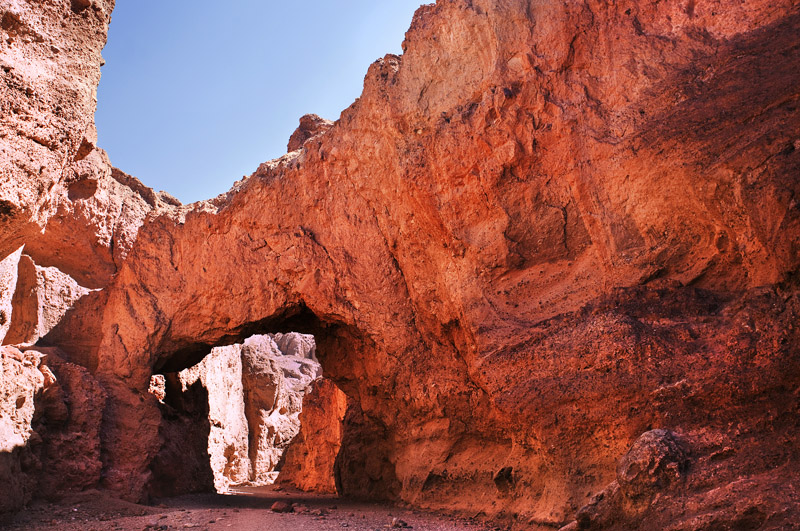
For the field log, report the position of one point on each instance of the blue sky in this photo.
(195, 94)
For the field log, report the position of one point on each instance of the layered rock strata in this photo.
(547, 237)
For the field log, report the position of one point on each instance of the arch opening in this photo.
(270, 406)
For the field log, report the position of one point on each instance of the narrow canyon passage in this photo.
(231, 419)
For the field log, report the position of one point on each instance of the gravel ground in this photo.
(245, 509)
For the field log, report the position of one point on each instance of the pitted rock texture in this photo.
(72, 410)
(72, 215)
(310, 126)
(50, 66)
(277, 371)
(50, 416)
(310, 458)
(59, 195)
(546, 229)
(20, 385)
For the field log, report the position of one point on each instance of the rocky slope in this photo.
(550, 256)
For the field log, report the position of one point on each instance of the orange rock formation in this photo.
(551, 252)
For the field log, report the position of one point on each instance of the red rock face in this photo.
(50, 416)
(546, 230)
(59, 195)
(311, 125)
(310, 459)
(50, 61)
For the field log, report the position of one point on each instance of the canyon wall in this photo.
(59, 195)
(550, 255)
(67, 221)
(311, 457)
(50, 416)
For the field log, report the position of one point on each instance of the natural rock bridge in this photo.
(548, 233)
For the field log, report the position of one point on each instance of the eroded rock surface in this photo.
(20, 385)
(545, 230)
(276, 373)
(220, 373)
(310, 126)
(59, 195)
(517, 257)
(42, 297)
(50, 417)
(9, 270)
(310, 459)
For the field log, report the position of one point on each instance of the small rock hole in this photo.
(80, 5)
(504, 479)
(82, 189)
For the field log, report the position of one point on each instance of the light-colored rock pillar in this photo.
(8, 284)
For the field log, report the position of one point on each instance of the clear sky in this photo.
(195, 94)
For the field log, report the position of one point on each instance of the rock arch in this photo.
(518, 259)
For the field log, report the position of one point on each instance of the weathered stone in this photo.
(50, 417)
(42, 298)
(72, 406)
(20, 384)
(310, 126)
(309, 460)
(252, 393)
(220, 373)
(274, 381)
(281, 507)
(511, 253)
(9, 267)
(544, 229)
(655, 461)
(59, 195)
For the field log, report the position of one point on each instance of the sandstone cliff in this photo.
(552, 245)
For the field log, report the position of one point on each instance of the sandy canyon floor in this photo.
(244, 509)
